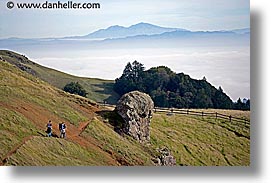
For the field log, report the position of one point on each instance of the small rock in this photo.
(165, 158)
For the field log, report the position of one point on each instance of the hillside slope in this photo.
(26, 105)
(98, 89)
(198, 141)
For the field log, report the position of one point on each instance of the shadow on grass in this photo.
(114, 119)
(45, 134)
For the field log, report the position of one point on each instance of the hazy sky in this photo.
(188, 14)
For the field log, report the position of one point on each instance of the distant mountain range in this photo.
(141, 35)
(242, 31)
(141, 30)
(146, 29)
(117, 31)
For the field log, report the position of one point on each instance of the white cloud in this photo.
(226, 67)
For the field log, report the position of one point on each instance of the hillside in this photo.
(98, 89)
(27, 103)
(204, 141)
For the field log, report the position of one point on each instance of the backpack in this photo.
(60, 126)
(63, 128)
(49, 130)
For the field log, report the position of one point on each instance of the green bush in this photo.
(75, 88)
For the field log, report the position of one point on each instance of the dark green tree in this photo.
(169, 89)
(75, 88)
(131, 79)
(239, 105)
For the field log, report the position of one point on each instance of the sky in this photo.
(188, 14)
(228, 67)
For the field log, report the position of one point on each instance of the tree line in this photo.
(170, 89)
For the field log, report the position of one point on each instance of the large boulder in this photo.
(136, 109)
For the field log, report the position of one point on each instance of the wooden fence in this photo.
(171, 111)
(215, 115)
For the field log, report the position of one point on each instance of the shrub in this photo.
(75, 88)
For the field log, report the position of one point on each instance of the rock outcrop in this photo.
(165, 158)
(136, 109)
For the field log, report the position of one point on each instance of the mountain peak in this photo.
(143, 24)
(141, 28)
(115, 27)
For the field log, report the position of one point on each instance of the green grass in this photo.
(125, 149)
(43, 151)
(98, 89)
(13, 128)
(19, 90)
(233, 113)
(18, 86)
(200, 142)
(194, 141)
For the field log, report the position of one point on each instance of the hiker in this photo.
(62, 128)
(49, 129)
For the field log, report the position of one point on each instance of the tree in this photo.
(131, 78)
(239, 105)
(127, 72)
(75, 88)
(169, 89)
(247, 105)
(137, 70)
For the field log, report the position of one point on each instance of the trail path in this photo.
(14, 150)
(73, 135)
(82, 126)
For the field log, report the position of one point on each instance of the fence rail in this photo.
(215, 115)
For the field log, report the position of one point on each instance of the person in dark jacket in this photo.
(49, 129)
(62, 128)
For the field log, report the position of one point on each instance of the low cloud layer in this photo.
(225, 67)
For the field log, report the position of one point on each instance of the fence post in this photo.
(187, 111)
(202, 114)
(216, 116)
(230, 117)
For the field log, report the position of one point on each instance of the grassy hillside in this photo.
(201, 141)
(27, 103)
(98, 89)
(48, 151)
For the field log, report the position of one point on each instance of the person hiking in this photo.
(49, 129)
(62, 128)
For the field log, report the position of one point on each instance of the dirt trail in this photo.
(39, 116)
(14, 150)
(82, 126)
(73, 137)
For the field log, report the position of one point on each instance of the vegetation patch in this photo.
(125, 149)
(41, 151)
(201, 142)
(98, 90)
(14, 127)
